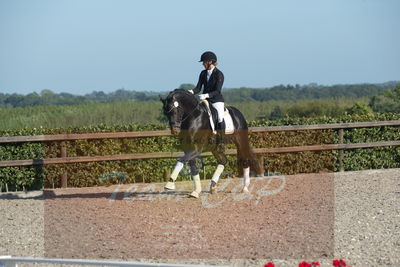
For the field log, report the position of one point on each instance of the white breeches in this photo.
(220, 107)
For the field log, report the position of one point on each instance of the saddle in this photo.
(213, 115)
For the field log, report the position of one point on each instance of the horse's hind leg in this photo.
(222, 160)
(244, 157)
(194, 171)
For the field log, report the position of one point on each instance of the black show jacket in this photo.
(213, 87)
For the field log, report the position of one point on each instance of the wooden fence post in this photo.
(341, 151)
(64, 176)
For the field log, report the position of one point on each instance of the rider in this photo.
(211, 80)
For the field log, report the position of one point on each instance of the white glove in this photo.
(203, 96)
(191, 91)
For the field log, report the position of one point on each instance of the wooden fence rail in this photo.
(69, 137)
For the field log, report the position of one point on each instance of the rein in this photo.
(187, 116)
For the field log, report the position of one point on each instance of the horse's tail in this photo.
(256, 163)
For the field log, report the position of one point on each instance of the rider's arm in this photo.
(199, 85)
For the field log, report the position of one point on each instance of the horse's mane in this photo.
(182, 92)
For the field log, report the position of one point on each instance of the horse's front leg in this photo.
(222, 160)
(188, 155)
(194, 171)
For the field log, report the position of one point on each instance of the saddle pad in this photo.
(229, 127)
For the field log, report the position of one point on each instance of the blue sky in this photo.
(80, 46)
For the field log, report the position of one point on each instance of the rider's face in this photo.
(207, 64)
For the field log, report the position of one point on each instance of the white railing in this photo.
(8, 261)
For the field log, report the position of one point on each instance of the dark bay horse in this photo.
(189, 119)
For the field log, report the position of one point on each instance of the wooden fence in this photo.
(341, 146)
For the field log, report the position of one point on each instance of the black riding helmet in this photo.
(208, 56)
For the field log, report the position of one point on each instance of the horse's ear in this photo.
(162, 99)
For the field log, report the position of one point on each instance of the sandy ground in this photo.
(314, 217)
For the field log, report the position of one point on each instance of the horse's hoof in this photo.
(194, 194)
(245, 190)
(213, 189)
(170, 186)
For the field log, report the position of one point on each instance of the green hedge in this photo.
(152, 170)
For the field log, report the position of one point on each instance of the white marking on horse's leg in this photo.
(197, 186)
(246, 177)
(217, 173)
(170, 185)
(177, 170)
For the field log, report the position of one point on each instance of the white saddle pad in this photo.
(229, 127)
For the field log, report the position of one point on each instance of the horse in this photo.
(189, 120)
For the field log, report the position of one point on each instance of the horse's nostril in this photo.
(175, 130)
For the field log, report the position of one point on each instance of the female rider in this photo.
(211, 80)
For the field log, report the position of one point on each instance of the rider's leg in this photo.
(220, 107)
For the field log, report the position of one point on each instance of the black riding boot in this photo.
(221, 137)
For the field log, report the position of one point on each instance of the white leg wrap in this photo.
(197, 184)
(246, 176)
(217, 173)
(176, 171)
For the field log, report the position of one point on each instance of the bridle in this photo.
(178, 123)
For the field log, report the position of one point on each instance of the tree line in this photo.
(144, 112)
(277, 93)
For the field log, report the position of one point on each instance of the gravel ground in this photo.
(21, 224)
(367, 220)
(365, 228)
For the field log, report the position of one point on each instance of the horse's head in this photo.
(176, 106)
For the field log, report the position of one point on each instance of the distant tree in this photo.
(99, 94)
(32, 99)
(49, 97)
(14, 100)
(123, 94)
(140, 96)
(69, 99)
(47, 92)
(2, 100)
(387, 101)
